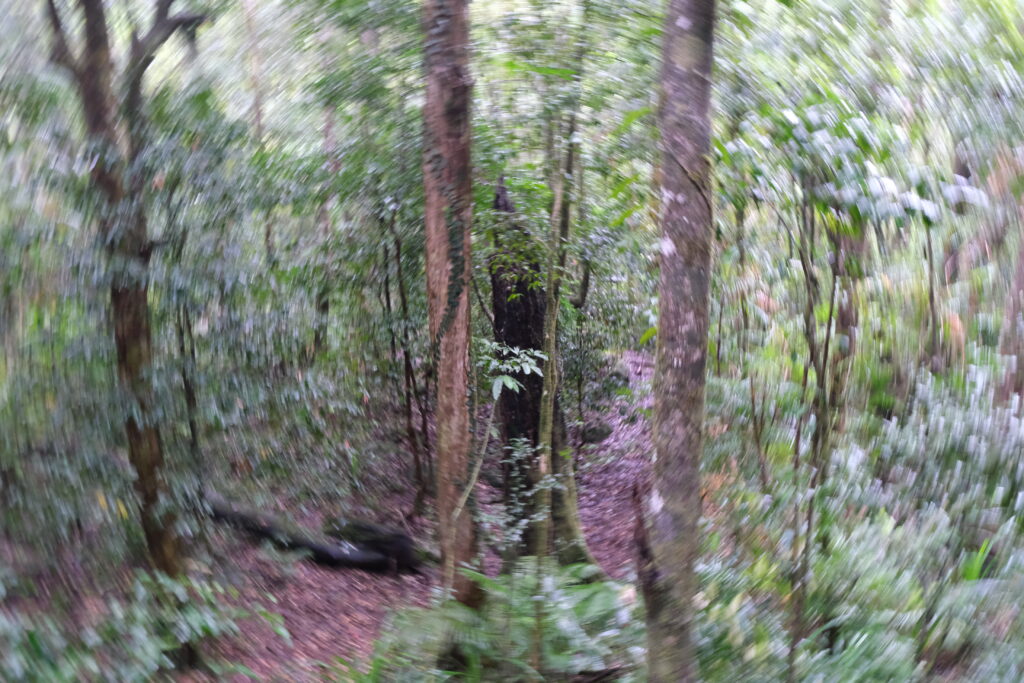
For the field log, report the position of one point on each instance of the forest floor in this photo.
(339, 613)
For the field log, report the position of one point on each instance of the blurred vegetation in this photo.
(865, 449)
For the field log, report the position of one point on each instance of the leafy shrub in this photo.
(131, 642)
(585, 625)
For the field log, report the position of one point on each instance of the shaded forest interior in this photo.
(571, 340)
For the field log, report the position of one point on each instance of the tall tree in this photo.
(520, 306)
(448, 217)
(518, 321)
(521, 294)
(667, 564)
(119, 133)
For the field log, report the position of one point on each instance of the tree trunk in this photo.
(570, 544)
(933, 311)
(673, 505)
(519, 307)
(542, 538)
(421, 457)
(850, 251)
(133, 340)
(118, 179)
(323, 300)
(123, 225)
(519, 313)
(1011, 342)
(255, 68)
(448, 217)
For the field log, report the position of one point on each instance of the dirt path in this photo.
(328, 613)
(607, 471)
(332, 613)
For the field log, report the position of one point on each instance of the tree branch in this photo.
(163, 28)
(483, 304)
(579, 300)
(164, 25)
(143, 51)
(60, 51)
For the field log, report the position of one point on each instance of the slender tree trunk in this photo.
(741, 244)
(568, 540)
(124, 228)
(118, 179)
(542, 539)
(570, 544)
(412, 391)
(519, 320)
(849, 260)
(567, 527)
(933, 310)
(323, 300)
(448, 217)
(673, 505)
(1011, 342)
(718, 342)
(255, 68)
(187, 351)
(407, 381)
(389, 312)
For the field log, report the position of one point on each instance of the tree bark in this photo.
(448, 217)
(542, 538)
(421, 458)
(518, 320)
(673, 504)
(519, 315)
(122, 222)
(323, 294)
(569, 542)
(1011, 342)
(118, 182)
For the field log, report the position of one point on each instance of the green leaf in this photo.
(560, 72)
(276, 623)
(648, 335)
(974, 564)
(621, 186)
(630, 118)
(496, 387)
(624, 216)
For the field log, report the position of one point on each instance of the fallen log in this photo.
(388, 541)
(323, 551)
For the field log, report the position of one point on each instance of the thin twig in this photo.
(464, 498)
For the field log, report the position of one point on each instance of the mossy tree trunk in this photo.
(519, 314)
(518, 321)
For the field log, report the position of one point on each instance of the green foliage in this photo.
(128, 641)
(586, 626)
(499, 364)
(836, 120)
